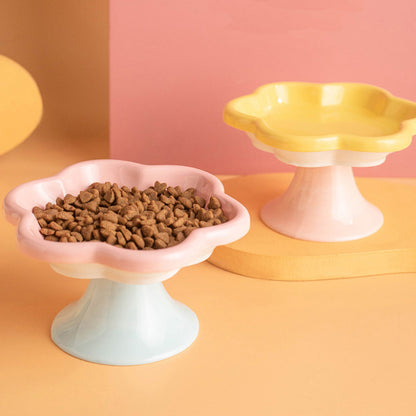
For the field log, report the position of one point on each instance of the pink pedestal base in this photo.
(323, 204)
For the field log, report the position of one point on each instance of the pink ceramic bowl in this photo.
(115, 322)
(131, 266)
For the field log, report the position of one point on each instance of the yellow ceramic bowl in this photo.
(309, 117)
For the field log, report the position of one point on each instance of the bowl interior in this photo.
(304, 109)
(76, 178)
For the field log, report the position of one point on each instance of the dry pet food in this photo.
(160, 216)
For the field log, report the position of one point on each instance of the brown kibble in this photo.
(130, 245)
(72, 225)
(145, 198)
(111, 226)
(85, 196)
(122, 220)
(214, 203)
(138, 241)
(155, 206)
(122, 201)
(139, 205)
(129, 213)
(63, 215)
(120, 238)
(207, 215)
(179, 229)
(159, 187)
(50, 215)
(111, 239)
(147, 231)
(92, 205)
(170, 220)
(189, 193)
(206, 223)
(63, 233)
(186, 202)
(110, 216)
(68, 208)
(109, 196)
(105, 233)
(126, 233)
(148, 215)
(151, 193)
(148, 241)
(69, 199)
(42, 223)
(157, 217)
(116, 190)
(77, 236)
(106, 187)
(179, 223)
(159, 243)
(47, 231)
(55, 226)
(180, 236)
(173, 191)
(161, 215)
(199, 200)
(64, 223)
(38, 212)
(164, 236)
(115, 208)
(180, 213)
(188, 231)
(86, 232)
(88, 220)
(217, 212)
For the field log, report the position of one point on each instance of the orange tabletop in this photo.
(338, 347)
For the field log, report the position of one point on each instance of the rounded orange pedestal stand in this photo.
(266, 254)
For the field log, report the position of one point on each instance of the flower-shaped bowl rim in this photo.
(314, 143)
(138, 261)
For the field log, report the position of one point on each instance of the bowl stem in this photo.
(322, 204)
(124, 324)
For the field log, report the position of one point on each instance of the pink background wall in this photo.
(174, 65)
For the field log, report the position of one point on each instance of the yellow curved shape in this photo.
(20, 104)
(310, 117)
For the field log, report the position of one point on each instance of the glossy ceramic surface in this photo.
(19, 202)
(20, 104)
(324, 130)
(322, 204)
(126, 316)
(141, 324)
(308, 117)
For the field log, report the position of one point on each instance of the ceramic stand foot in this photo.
(323, 204)
(124, 324)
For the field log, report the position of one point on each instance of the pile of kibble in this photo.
(160, 216)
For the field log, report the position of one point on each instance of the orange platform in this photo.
(266, 254)
(324, 348)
